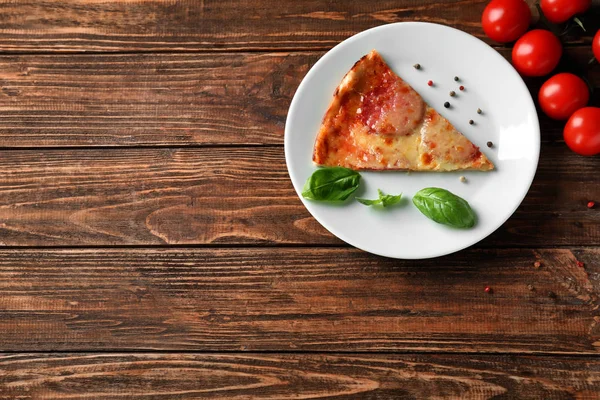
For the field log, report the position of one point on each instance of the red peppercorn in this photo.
(488, 289)
(591, 204)
(462, 87)
(580, 264)
(430, 83)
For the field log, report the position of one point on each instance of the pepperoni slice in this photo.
(390, 106)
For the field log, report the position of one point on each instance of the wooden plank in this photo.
(153, 25)
(151, 196)
(158, 99)
(298, 376)
(281, 299)
(233, 196)
(166, 99)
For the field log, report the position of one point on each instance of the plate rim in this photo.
(346, 42)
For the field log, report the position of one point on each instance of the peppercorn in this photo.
(417, 66)
(430, 83)
(479, 111)
(456, 78)
(537, 264)
(462, 179)
(489, 290)
(580, 264)
(447, 104)
(462, 88)
(489, 144)
(591, 204)
(530, 287)
(471, 122)
(452, 93)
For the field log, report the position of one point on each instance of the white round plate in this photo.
(509, 120)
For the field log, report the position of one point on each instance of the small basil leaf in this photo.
(388, 199)
(444, 207)
(331, 184)
(385, 200)
(368, 202)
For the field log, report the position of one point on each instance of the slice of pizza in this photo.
(377, 121)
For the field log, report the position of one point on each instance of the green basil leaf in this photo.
(331, 184)
(444, 207)
(385, 200)
(368, 202)
(388, 199)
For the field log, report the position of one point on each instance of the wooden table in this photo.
(153, 246)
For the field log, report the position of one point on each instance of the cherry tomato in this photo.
(537, 53)
(562, 95)
(582, 132)
(506, 20)
(596, 45)
(559, 11)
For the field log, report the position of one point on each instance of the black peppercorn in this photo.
(447, 104)
(417, 66)
(490, 144)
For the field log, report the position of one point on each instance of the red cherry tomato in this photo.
(559, 11)
(596, 45)
(537, 53)
(506, 20)
(582, 132)
(562, 95)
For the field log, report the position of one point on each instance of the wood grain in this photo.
(147, 99)
(297, 376)
(282, 299)
(151, 196)
(233, 196)
(190, 25)
(168, 99)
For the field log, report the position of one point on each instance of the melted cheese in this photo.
(445, 148)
